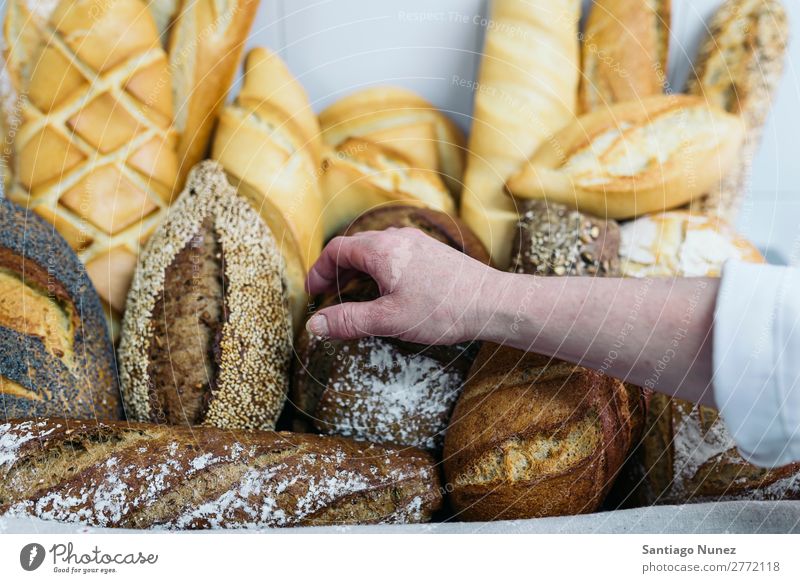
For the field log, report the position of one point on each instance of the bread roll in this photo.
(403, 121)
(553, 239)
(205, 45)
(150, 476)
(95, 152)
(165, 12)
(381, 389)
(634, 158)
(267, 142)
(680, 244)
(56, 357)
(361, 175)
(207, 334)
(625, 52)
(526, 91)
(739, 69)
(532, 437)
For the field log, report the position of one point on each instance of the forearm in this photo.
(654, 333)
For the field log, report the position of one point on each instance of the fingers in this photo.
(349, 321)
(341, 255)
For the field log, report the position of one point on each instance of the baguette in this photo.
(739, 69)
(526, 91)
(634, 158)
(625, 52)
(150, 476)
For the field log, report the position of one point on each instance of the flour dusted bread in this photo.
(207, 334)
(625, 52)
(381, 389)
(526, 91)
(150, 476)
(738, 69)
(95, 152)
(634, 158)
(56, 357)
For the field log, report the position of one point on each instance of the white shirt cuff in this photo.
(756, 351)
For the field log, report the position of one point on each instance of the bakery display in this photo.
(56, 358)
(151, 476)
(634, 158)
(554, 239)
(403, 122)
(95, 151)
(206, 41)
(625, 52)
(532, 437)
(681, 244)
(526, 91)
(381, 389)
(207, 337)
(738, 69)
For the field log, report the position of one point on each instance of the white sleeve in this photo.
(756, 352)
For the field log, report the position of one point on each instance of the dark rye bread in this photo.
(382, 389)
(56, 357)
(154, 476)
(207, 335)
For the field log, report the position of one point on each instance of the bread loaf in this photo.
(739, 69)
(207, 335)
(533, 437)
(205, 44)
(361, 175)
(150, 476)
(164, 14)
(404, 122)
(381, 389)
(56, 357)
(95, 152)
(681, 244)
(526, 91)
(625, 52)
(634, 158)
(553, 239)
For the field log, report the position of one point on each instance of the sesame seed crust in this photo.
(255, 344)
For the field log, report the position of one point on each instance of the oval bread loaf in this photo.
(634, 158)
(56, 357)
(150, 476)
(207, 335)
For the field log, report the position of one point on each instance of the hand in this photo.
(430, 292)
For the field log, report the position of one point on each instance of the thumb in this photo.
(346, 321)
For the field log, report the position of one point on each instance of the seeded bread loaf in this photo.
(56, 358)
(381, 389)
(634, 158)
(739, 69)
(151, 476)
(207, 335)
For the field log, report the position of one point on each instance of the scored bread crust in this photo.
(254, 347)
(634, 158)
(625, 52)
(56, 358)
(739, 69)
(133, 475)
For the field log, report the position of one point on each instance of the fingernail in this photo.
(318, 326)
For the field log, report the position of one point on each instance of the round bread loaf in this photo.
(533, 437)
(381, 389)
(207, 335)
(56, 357)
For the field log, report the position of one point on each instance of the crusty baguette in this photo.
(205, 45)
(738, 69)
(164, 14)
(526, 91)
(206, 337)
(150, 476)
(634, 158)
(625, 52)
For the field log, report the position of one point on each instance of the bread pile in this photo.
(111, 107)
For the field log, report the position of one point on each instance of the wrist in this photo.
(505, 307)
